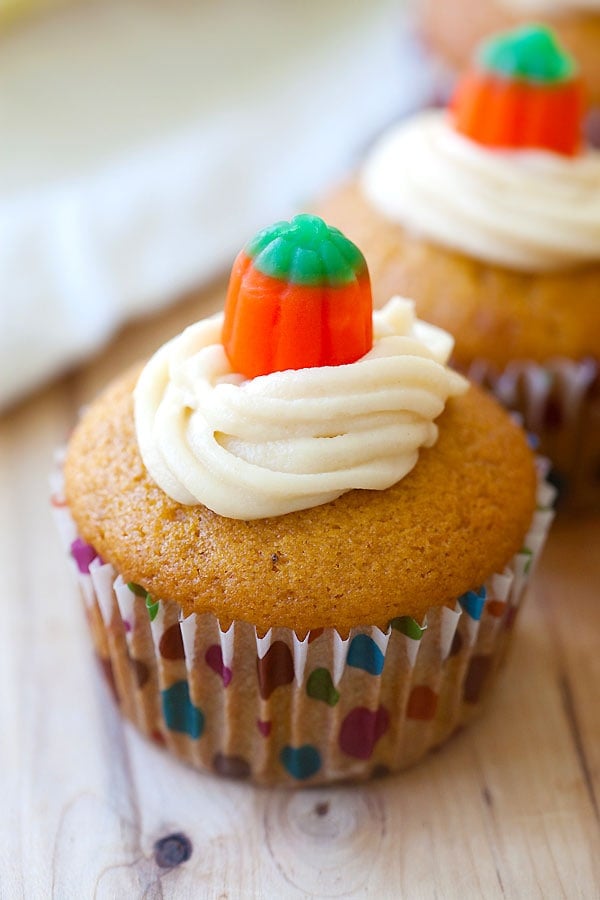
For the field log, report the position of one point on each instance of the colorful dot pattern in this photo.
(359, 730)
(359, 707)
(473, 602)
(84, 555)
(365, 654)
(301, 762)
(320, 686)
(180, 713)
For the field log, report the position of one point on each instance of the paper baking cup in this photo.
(558, 402)
(276, 709)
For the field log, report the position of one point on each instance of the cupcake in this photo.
(488, 214)
(453, 28)
(301, 539)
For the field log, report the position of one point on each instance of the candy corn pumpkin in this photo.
(523, 92)
(299, 296)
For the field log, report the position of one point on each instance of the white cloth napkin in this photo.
(132, 224)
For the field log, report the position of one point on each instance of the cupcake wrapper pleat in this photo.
(558, 402)
(277, 709)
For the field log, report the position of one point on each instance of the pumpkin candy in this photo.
(524, 92)
(299, 296)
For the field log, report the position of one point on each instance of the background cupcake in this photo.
(453, 28)
(489, 216)
(298, 576)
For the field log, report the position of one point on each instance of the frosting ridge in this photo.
(529, 210)
(252, 448)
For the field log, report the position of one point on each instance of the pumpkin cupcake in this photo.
(453, 28)
(301, 539)
(488, 214)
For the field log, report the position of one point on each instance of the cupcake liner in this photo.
(558, 402)
(277, 709)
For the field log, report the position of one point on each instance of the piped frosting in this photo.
(289, 440)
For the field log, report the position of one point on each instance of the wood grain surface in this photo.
(510, 807)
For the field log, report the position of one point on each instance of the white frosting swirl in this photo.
(290, 440)
(527, 210)
(533, 7)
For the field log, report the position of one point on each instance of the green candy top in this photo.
(530, 53)
(306, 251)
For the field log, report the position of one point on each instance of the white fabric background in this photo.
(144, 141)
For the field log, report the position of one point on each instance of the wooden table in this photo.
(509, 807)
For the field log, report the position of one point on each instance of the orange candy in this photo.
(298, 318)
(524, 92)
(497, 112)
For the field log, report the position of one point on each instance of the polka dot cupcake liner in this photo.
(559, 405)
(277, 709)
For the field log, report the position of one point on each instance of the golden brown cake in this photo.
(368, 556)
(453, 28)
(310, 573)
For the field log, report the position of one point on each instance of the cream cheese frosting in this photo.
(533, 7)
(528, 210)
(252, 448)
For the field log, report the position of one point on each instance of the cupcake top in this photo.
(295, 497)
(369, 556)
(346, 400)
(502, 175)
